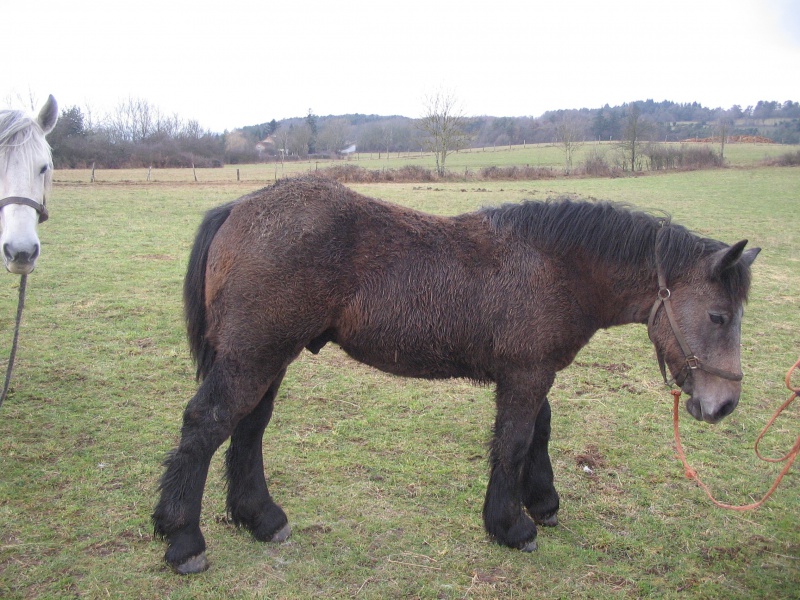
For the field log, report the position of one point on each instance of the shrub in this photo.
(685, 157)
(789, 159)
(415, 173)
(356, 174)
(596, 165)
(515, 173)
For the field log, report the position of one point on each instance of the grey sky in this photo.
(243, 62)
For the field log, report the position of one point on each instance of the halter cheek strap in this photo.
(691, 362)
(39, 207)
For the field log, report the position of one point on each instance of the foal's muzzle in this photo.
(717, 410)
(694, 408)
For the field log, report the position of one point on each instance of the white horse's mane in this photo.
(20, 133)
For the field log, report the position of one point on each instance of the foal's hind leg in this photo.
(249, 502)
(538, 492)
(225, 395)
(519, 399)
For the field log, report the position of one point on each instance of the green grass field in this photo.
(383, 478)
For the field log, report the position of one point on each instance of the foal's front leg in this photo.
(519, 400)
(208, 421)
(538, 492)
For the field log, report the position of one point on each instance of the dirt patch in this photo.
(715, 554)
(154, 257)
(107, 548)
(317, 528)
(591, 458)
(495, 575)
(617, 368)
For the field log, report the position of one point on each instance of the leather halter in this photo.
(39, 207)
(690, 362)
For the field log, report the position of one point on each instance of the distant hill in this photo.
(672, 121)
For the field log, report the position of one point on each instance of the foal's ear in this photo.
(48, 115)
(748, 256)
(727, 257)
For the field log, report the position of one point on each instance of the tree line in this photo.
(138, 134)
(135, 134)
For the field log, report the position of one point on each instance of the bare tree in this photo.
(385, 137)
(569, 133)
(299, 140)
(443, 127)
(333, 135)
(20, 101)
(636, 131)
(394, 134)
(166, 126)
(723, 127)
(281, 135)
(192, 130)
(132, 120)
(238, 147)
(90, 118)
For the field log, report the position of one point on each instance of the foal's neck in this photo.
(626, 294)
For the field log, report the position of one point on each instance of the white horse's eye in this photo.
(44, 169)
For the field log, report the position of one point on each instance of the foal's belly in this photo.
(428, 361)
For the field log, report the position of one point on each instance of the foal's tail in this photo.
(194, 289)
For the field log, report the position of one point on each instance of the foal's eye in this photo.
(43, 170)
(717, 319)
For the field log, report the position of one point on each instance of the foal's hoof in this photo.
(196, 564)
(530, 546)
(547, 520)
(282, 535)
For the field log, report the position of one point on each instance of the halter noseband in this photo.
(39, 207)
(691, 362)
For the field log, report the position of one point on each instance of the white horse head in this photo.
(26, 172)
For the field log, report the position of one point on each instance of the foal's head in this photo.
(26, 170)
(701, 342)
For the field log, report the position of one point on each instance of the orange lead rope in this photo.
(788, 458)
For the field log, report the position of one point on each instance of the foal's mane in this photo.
(20, 133)
(614, 233)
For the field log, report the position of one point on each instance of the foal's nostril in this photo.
(725, 410)
(7, 251)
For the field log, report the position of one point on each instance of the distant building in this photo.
(349, 150)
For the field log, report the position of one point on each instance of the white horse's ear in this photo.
(48, 115)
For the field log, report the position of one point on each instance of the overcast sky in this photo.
(242, 62)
